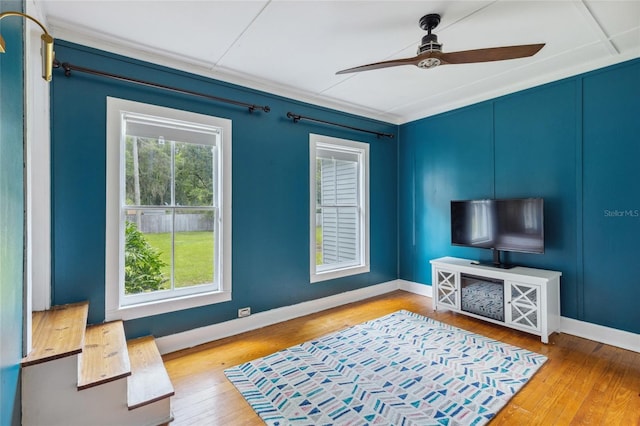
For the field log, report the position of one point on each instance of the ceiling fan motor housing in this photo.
(429, 44)
(429, 41)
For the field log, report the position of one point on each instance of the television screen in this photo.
(499, 224)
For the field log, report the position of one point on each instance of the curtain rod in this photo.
(67, 67)
(297, 117)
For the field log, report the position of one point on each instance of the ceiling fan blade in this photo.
(491, 54)
(383, 64)
(431, 59)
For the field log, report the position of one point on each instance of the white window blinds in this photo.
(339, 207)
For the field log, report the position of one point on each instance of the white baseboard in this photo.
(417, 288)
(602, 334)
(198, 336)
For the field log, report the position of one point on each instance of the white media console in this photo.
(525, 299)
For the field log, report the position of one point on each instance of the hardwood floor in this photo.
(583, 382)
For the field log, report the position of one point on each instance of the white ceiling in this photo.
(294, 48)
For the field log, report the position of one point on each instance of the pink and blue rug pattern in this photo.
(401, 369)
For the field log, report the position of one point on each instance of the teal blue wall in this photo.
(270, 190)
(574, 142)
(11, 213)
(611, 194)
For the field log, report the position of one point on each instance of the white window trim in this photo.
(37, 287)
(113, 308)
(363, 266)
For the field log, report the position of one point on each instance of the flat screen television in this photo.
(514, 224)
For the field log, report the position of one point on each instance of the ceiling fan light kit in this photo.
(430, 53)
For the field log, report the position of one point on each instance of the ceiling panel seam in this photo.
(597, 27)
(249, 25)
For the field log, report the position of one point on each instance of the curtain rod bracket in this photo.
(64, 66)
(296, 118)
(264, 108)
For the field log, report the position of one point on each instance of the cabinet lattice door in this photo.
(525, 305)
(447, 290)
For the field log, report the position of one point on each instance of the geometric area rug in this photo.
(401, 369)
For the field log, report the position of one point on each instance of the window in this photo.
(168, 239)
(339, 225)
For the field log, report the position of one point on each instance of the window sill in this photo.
(158, 307)
(338, 273)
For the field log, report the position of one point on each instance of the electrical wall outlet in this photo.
(244, 312)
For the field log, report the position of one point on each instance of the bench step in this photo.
(149, 381)
(104, 357)
(57, 333)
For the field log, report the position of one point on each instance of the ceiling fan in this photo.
(430, 53)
